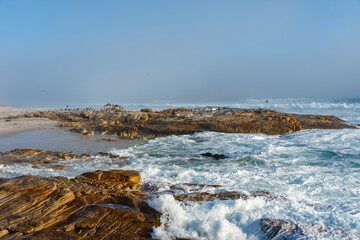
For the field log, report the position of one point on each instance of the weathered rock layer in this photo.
(98, 205)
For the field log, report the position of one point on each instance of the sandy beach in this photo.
(11, 126)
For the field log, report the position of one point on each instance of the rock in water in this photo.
(215, 156)
(205, 196)
(279, 229)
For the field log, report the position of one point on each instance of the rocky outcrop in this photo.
(279, 229)
(96, 205)
(48, 159)
(114, 120)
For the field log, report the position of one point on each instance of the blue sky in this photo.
(63, 52)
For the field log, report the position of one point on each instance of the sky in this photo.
(141, 51)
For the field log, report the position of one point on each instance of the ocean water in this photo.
(313, 175)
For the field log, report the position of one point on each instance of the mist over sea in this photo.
(314, 175)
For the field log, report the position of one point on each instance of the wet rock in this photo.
(109, 140)
(205, 196)
(260, 194)
(48, 159)
(57, 167)
(279, 229)
(37, 157)
(199, 185)
(60, 208)
(285, 229)
(215, 156)
(103, 154)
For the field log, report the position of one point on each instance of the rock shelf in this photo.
(115, 121)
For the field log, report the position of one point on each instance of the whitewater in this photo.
(313, 175)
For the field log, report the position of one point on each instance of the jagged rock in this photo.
(215, 156)
(205, 196)
(279, 229)
(60, 208)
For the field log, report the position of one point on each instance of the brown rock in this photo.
(60, 208)
(113, 120)
(146, 110)
(90, 133)
(3, 233)
(37, 157)
(114, 176)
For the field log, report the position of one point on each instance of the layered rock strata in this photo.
(97, 205)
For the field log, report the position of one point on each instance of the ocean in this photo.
(313, 175)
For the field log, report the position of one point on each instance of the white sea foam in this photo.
(195, 221)
(316, 171)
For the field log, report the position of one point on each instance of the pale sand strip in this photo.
(11, 126)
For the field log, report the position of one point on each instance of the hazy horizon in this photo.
(63, 52)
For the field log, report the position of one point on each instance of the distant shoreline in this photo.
(11, 126)
(114, 120)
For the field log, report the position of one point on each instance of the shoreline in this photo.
(9, 125)
(15, 129)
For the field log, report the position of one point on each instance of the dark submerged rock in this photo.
(215, 156)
